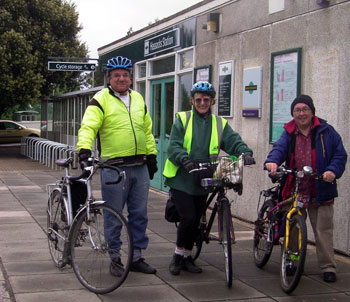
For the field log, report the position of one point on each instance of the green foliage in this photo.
(30, 32)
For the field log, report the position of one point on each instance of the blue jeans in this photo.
(135, 196)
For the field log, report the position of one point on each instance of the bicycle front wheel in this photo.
(263, 236)
(57, 227)
(293, 255)
(225, 226)
(101, 248)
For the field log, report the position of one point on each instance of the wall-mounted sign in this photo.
(167, 40)
(202, 74)
(225, 91)
(71, 66)
(252, 92)
(285, 86)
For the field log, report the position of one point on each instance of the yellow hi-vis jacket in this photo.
(218, 125)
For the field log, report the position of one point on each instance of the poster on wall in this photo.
(225, 90)
(202, 73)
(252, 92)
(285, 86)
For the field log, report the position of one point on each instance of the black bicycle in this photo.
(76, 224)
(228, 175)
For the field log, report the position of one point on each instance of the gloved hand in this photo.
(188, 164)
(151, 162)
(248, 160)
(84, 155)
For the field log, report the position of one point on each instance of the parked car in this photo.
(12, 132)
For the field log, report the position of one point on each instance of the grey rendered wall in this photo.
(248, 36)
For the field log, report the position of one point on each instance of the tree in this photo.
(30, 32)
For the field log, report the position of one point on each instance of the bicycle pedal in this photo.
(212, 238)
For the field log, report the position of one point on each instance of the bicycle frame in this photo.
(220, 193)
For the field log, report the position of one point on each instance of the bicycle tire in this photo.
(226, 220)
(91, 254)
(292, 262)
(262, 245)
(57, 227)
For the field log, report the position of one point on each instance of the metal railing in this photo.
(47, 152)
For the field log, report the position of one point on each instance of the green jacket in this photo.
(120, 133)
(231, 143)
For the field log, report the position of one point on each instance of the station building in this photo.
(259, 55)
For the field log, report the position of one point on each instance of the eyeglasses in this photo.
(205, 100)
(299, 110)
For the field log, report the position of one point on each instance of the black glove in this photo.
(152, 165)
(188, 164)
(249, 160)
(84, 155)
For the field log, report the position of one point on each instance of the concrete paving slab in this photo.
(25, 255)
(271, 286)
(217, 291)
(338, 297)
(59, 296)
(34, 267)
(150, 293)
(43, 283)
(16, 231)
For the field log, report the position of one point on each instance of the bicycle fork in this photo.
(232, 233)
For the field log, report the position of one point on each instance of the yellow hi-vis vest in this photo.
(218, 125)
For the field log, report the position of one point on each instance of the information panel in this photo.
(285, 86)
(225, 91)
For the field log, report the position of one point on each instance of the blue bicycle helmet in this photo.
(204, 87)
(119, 62)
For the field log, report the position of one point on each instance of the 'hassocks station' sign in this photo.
(162, 42)
(71, 66)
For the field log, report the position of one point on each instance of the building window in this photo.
(162, 66)
(141, 70)
(186, 59)
(185, 84)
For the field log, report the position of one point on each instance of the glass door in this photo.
(162, 113)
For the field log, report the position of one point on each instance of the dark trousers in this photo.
(190, 208)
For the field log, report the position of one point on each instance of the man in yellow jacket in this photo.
(117, 116)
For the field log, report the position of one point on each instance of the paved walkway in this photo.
(27, 273)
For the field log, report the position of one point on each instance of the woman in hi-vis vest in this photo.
(195, 135)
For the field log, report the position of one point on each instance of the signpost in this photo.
(71, 66)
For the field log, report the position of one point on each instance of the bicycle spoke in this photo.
(293, 255)
(263, 236)
(92, 251)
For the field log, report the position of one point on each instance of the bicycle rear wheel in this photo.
(263, 236)
(226, 220)
(92, 252)
(293, 255)
(57, 228)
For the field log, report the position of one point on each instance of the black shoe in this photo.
(329, 277)
(116, 268)
(176, 264)
(188, 265)
(142, 267)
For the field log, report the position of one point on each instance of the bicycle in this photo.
(228, 175)
(75, 230)
(279, 225)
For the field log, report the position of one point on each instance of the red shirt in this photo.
(303, 157)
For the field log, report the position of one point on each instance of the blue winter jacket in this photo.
(327, 150)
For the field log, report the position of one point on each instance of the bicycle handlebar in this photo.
(95, 164)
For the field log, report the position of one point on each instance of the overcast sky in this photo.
(105, 21)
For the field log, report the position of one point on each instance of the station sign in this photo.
(71, 66)
(167, 40)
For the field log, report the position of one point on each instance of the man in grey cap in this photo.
(309, 141)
